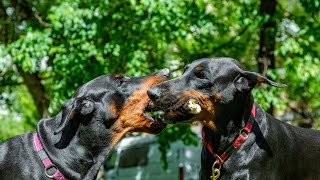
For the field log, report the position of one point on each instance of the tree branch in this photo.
(39, 18)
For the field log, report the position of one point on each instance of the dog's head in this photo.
(110, 105)
(204, 90)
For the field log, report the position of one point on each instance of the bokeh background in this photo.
(49, 48)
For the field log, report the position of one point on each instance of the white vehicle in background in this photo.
(138, 158)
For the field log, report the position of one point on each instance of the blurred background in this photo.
(49, 48)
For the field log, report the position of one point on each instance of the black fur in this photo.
(274, 150)
(78, 138)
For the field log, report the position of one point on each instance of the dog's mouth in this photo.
(184, 111)
(153, 113)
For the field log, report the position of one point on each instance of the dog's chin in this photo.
(157, 127)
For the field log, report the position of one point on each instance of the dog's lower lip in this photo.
(181, 106)
(181, 113)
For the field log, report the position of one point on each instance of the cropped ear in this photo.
(247, 80)
(73, 108)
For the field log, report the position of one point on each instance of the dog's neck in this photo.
(229, 120)
(82, 157)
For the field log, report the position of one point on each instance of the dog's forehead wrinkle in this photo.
(224, 61)
(224, 72)
(216, 66)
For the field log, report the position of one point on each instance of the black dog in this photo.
(238, 144)
(77, 140)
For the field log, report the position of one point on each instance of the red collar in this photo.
(243, 135)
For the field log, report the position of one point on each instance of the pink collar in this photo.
(51, 171)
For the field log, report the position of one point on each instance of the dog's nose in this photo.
(164, 72)
(153, 93)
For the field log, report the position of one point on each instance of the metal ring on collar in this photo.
(46, 171)
(214, 164)
(218, 157)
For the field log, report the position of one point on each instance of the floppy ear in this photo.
(247, 80)
(73, 108)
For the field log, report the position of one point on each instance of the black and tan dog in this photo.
(238, 144)
(74, 144)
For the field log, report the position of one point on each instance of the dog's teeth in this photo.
(194, 107)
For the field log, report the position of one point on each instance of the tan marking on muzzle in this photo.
(207, 106)
(204, 101)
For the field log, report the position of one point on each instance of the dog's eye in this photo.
(120, 79)
(200, 75)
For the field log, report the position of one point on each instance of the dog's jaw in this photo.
(132, 117)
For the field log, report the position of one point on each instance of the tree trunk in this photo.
(266, 58)
(37, 91)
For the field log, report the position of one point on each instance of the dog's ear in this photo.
(247, 80)
(73, 108)
(87, 107)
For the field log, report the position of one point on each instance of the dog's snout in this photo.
(164, 72)
(153, 93)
